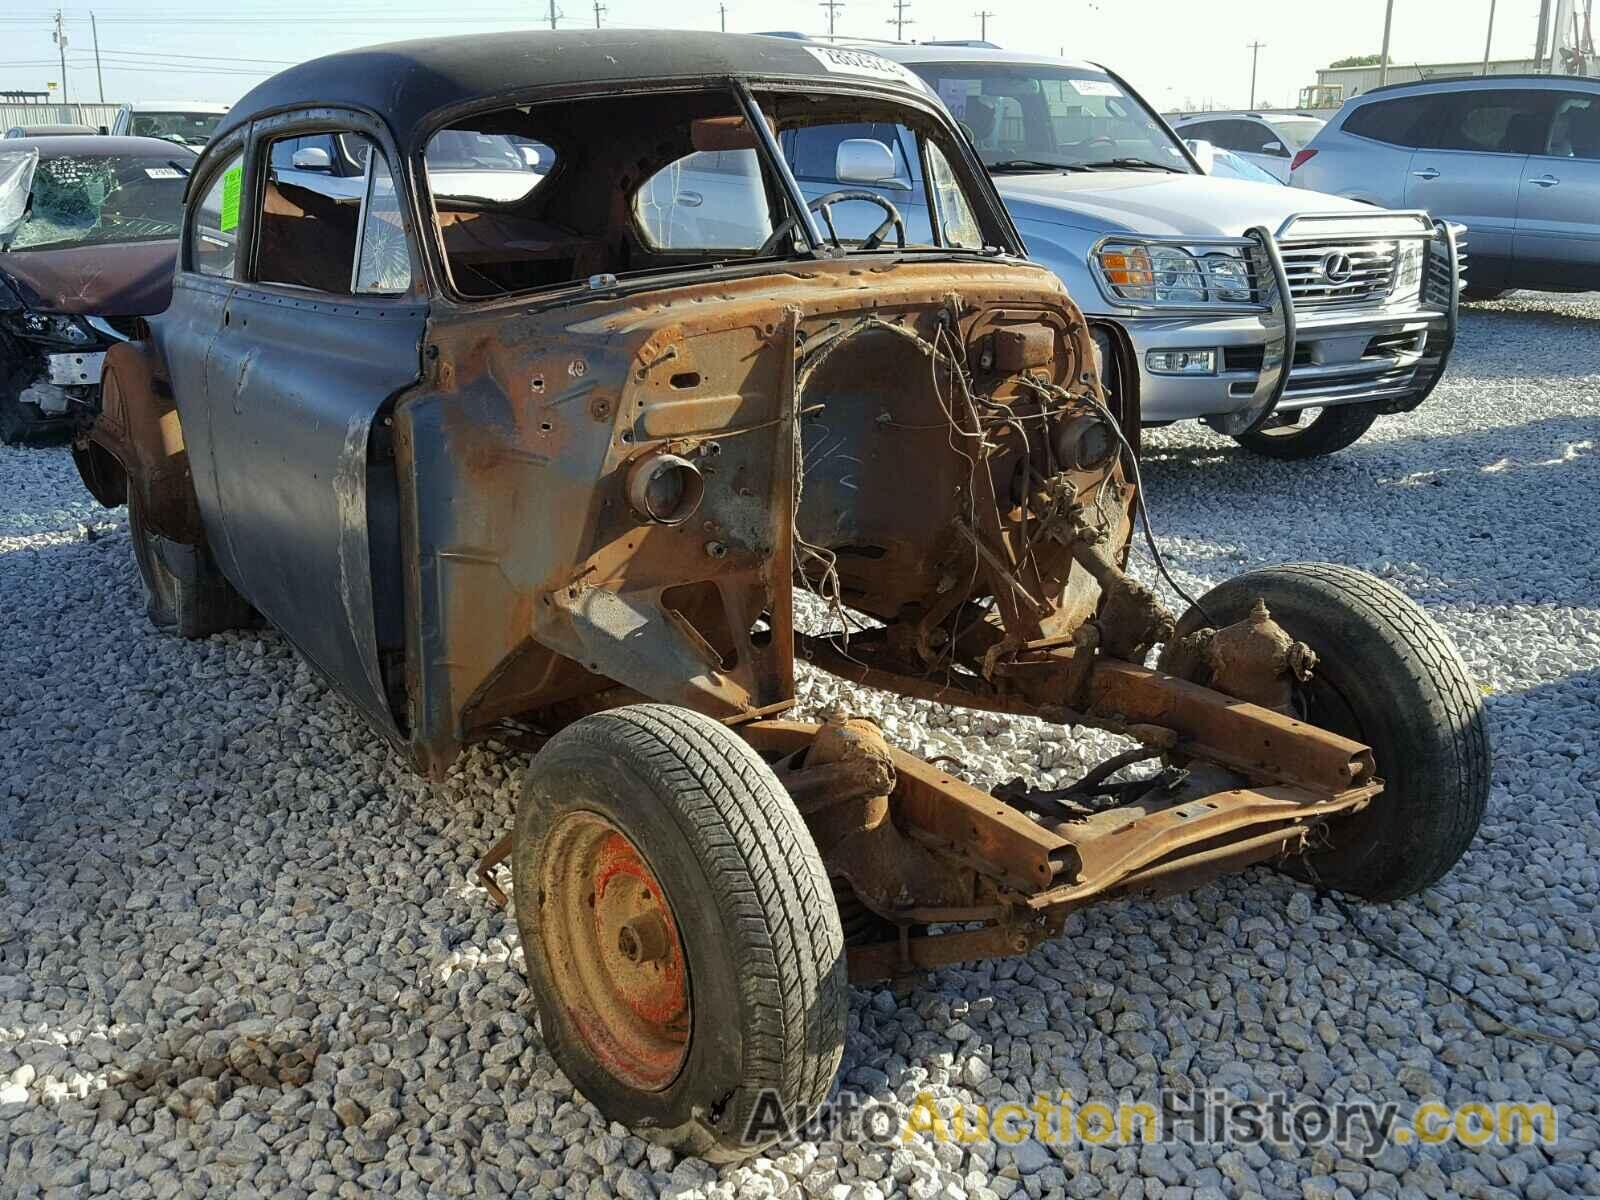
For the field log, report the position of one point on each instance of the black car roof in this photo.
(406, 82)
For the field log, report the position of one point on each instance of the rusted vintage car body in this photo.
(439, 501)
(518, 495)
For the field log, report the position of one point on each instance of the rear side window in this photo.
(1249, 137)
(1402, 122)
(1493, 122)
(214, 233)
(330, 220)
(1575, 131)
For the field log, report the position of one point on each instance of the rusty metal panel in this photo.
(1114, 847)
(1263, 744)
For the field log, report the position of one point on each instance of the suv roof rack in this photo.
(1520, 75)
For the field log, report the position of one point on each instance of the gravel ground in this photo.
(241, 950)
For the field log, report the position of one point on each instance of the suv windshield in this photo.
(65, 200)
(1023, 117)
(185, 128)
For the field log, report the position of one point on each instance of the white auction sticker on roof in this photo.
(163, 173)
(1094, 87)
(861, 62)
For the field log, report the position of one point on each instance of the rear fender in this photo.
(138, 426)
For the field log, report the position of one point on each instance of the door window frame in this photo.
(219, 158)
(336, 121)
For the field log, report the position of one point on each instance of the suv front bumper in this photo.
(1387, 352)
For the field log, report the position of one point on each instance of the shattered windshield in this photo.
(56, 201)
(1025, 117)
(185, 128)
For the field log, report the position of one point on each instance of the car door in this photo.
(1558, 204)
(1472, 169)
(322, 329)
(201, 288)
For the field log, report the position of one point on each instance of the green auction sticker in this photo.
(232, 181)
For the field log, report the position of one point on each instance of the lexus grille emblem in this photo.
(1337, 267)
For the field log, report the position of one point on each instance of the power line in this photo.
(983, 23)
(598, 9)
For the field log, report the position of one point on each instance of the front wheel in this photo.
(1386, 675)
(1312, 432)
(680, 931)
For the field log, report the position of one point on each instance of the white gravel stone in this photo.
(242, 949)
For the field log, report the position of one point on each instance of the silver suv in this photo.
(1514, 158)
(1286, 321)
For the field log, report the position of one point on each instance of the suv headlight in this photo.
(1408, 271)
(1230, 278)
(1178, 276)
(1162, 275)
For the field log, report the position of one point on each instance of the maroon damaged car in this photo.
(88, 234)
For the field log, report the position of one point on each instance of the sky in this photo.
(1178, 53)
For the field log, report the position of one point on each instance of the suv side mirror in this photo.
(864, 160)
(311, 158)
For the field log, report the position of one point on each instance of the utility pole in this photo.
(99, 81)
(61, 45)
(833, 7)
(983, 24)
(1255, 57)
(598, 9)
(1383, 58)
(1488, 38)
(900, 20)
(723, 10)
(1544, 37)
(553, 14)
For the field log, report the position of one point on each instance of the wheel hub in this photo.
(615, 951)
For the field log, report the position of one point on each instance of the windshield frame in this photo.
(930, 70)
(121, 163)
(1000, 232)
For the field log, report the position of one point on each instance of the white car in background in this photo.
(493, 167)
(187, 122)
(1269, 140)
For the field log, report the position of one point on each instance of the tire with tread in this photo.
(1387, 676)
(193, 601)
(1329, 431)
(759, 929)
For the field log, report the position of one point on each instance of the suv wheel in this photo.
(1316, 432)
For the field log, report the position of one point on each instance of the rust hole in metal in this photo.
(686, 379)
